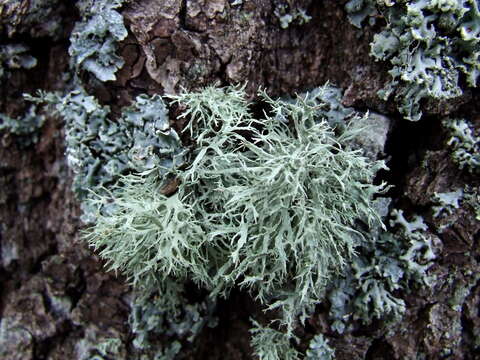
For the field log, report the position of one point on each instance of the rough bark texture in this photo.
(56, 301)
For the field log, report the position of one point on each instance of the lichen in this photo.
(389, 262)
(288, 14)
(95, 346)
(94, 38)
(472, 198)
(100, 150)
(25, 127)
(15, 56)
(319, 349)
(445, 206)
(429, 44)
(271, 344)
(465, 145)
(269, 205)
(167, 314)
(359, 10)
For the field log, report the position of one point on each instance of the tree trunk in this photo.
(56, 299)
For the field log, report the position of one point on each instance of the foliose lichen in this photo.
(100, 150)
(359, 10)
(472, 198)
(288, 14)
(390, 261)
(94, 39)
(430, 44)
(25, 127)
(168, 315)
(465, 145)
(15, 56)
(319, 349)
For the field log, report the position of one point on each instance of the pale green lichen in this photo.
(271, 344)
(269, 205)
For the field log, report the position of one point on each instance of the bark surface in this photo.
(57, 302)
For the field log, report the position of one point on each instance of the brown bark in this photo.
(55, 297)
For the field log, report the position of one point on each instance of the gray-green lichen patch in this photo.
(464, 144)
(271, 344)
(168, 315)
(289, 14)
(319, 349)
(359, 10)
(373, 136)
(92, 346)
(25, 127)
(15, 56)
(391, 261)
(99, 150)
(430, 45)
(94, 39)
(446, 205)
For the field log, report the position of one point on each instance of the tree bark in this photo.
(56, 299)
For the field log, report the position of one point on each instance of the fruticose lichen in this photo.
(271, 344)
(269, 205)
